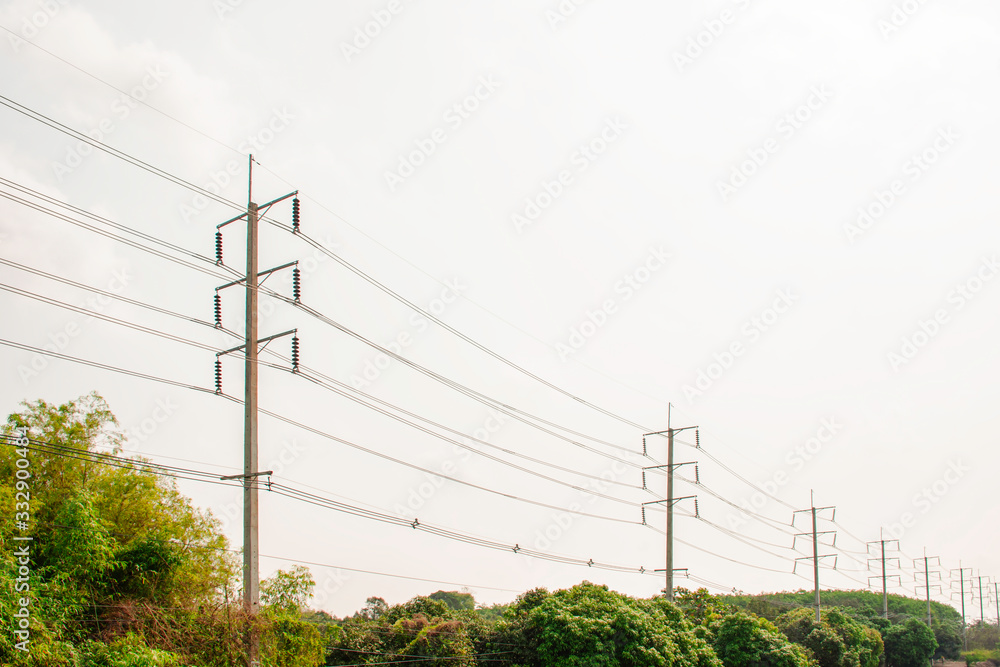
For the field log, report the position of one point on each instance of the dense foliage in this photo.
(745, 640)
(909, 645)
(836, 640)
(126, 572)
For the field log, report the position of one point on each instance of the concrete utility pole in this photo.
(982, 613)
(815, 544)
(815, 562)
(927, 580)
(961, 587)
(884, 577)
(251, 281)
(251, 534)
(996, 598)
(670, 500)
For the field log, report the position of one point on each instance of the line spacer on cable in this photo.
(245, 476)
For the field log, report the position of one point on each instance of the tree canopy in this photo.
(126, 571)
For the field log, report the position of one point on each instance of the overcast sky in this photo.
(778, 216)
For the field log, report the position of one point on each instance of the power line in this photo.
(95, 364)
(381, 411)
(736, 474)
(116, 237)
(97, 218)
(298, 561)
(321, 433)
(506, 409)
(114, 152)
(105, 293)
(115, 88)
(447, 327)
(327, 503)
(35, 115)
(328, 210)
(106, 318)
(303, 372)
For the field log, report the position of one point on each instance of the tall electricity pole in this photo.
(961, 587)
(982, 613)
(670, 500)
(251, 533)
(996, 598)
(813, 510)
(927, 580)
(884, 577)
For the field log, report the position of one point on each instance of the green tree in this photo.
(447, 641)
(910, 644)
(984, 636)
(700, 607)
(836, 640)
(127, 651)
(288, 591)
(121, 561)
(949, 640)
(456, 601)
(423, 627)
(742, 640)
(135, 507)
(590, 626)
(374, 608)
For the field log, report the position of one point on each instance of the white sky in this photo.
(839, 109)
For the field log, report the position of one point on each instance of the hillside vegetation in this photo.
(110, 566)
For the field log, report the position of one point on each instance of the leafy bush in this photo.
(836, 640)
(589, 625)
(127, 651)
(742, 640)
(911, 644)
(981, 655)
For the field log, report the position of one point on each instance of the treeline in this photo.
(109, 566)
(591, 625)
